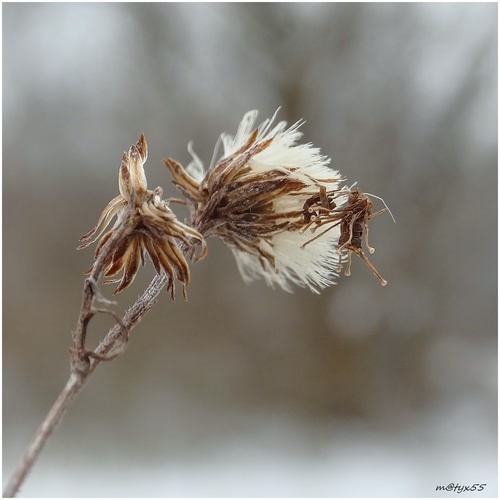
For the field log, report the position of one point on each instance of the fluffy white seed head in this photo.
(287, 252)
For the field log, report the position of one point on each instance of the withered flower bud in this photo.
(153, 228)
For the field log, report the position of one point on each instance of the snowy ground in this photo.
(278, 457)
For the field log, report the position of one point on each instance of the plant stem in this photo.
(77, 380)
(84, 362)
(54, 416)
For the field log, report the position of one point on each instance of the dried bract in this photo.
(153, 228)
(266, 197)
(354, 228)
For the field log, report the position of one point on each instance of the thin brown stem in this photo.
(54, 416)
(84, 362)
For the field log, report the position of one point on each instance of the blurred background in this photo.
(242, 390)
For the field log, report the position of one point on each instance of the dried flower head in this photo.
(153, 228)
(265, 198)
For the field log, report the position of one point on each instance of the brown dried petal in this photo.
(132, 265)
(183, 181)
(107, 214)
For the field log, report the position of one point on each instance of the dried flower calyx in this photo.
(266, 198)
(151, 230)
